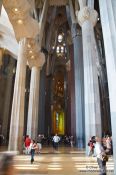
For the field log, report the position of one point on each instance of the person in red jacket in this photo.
(27, 144)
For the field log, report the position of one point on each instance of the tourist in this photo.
(56, 140)
(101, 156)
(91, 147)
(71, 141)
(27, 144)
(33, 147)
(39, 142)
(108, 145)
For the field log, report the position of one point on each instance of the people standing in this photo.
(91, 147)
(39, 142)
(71, 141)
(100, 153)
(108, 145)
(33, 147)
(27, 144)
(56, 140)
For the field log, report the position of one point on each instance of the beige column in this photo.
(87, 18)
(32, 122)
(17, 115)
(108, 21)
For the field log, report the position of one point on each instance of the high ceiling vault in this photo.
(28, 13)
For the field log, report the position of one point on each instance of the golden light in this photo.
(30, 51)
(26, 168)
(56, 158)
(16, 9)
(32, 57)
(54, 168)
(29, 46)
(20, 21)
(26, 165)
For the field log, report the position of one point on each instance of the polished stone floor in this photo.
(65, 161)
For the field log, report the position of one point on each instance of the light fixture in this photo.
(60, 38)
(20, 21)
(30, 51)
(53, 47)
(29, 46)
(16, 9)
(32, 57)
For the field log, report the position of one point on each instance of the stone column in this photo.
(108, 21)
(8, 95)
(33, 108)
(17, 115)
(41, 123)
(32, 123)
(77, 67)
(79, 87)
(87, 18)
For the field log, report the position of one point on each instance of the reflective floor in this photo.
(65, 161)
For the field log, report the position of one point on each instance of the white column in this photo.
(82, 3)
(87, 19)
(17, 115)
(91, 4)
(108, 7)
(32, 124)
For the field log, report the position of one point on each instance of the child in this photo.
(33, 146)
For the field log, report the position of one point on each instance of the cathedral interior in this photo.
(57, 72)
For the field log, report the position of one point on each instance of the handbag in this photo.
(104, 158)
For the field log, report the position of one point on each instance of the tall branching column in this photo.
(87, 18)
(33, 109)
(108, 21)
(32, 124)
(17, 115)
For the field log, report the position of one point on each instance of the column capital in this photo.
(19, 16)
(35, 57)
(38, 61)
(87, 14)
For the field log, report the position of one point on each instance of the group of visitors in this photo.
(31, 146)
(100, 148)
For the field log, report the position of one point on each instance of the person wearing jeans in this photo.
(100, 153)
(32, 148)
(56, 139)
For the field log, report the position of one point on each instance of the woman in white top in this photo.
(100, 153)
(56, 139)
